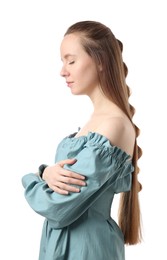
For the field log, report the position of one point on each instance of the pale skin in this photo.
(107, 119)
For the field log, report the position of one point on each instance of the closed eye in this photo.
(71, 62)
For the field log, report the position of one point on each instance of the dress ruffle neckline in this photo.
(100, 141)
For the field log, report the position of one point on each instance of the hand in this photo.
(59, 179)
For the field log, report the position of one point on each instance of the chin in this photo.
(77, 93)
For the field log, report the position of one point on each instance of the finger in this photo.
(75, 175)
(71, 174)
(74, 181)
(67, 161)
(60, 191)
(67, 187)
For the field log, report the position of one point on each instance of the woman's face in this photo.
(79, 70)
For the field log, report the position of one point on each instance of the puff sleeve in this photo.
(105, 166)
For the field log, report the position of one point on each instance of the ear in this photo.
(100, 68)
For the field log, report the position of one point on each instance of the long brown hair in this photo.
(100, 43)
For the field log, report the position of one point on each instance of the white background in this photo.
(37, 109)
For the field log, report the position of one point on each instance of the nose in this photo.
(64, 72)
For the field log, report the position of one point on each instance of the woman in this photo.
(75, 194)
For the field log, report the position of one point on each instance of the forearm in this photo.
(60, 210)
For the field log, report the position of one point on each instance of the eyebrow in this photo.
(68, 55)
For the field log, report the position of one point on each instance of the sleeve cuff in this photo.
(41, 169)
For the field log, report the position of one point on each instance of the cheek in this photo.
(91, 76)
(88, 72)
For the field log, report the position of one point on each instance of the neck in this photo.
(102, 104)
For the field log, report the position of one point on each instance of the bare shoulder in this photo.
(120, 132)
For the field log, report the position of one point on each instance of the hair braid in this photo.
(129, 200)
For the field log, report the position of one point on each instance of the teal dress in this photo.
(78, 226)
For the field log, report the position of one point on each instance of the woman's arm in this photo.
(102, 168)
(62, 181)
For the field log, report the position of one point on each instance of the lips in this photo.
(69, 83)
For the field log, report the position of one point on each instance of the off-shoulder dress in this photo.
(78, 226)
